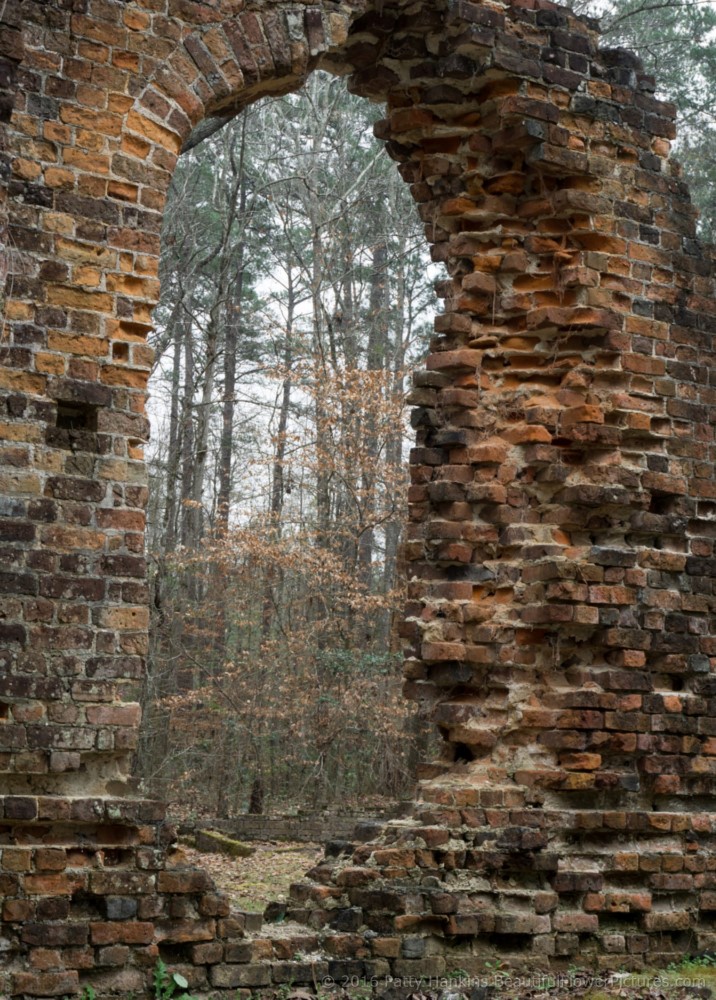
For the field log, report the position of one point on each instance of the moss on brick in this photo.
(219, 843)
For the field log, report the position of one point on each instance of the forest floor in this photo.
(254, 882)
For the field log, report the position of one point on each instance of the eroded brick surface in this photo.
(560, 540)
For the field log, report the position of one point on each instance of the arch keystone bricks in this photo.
(560, 538)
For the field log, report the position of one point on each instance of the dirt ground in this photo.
(265, 877)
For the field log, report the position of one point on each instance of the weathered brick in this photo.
(48, 984)
(566, 397)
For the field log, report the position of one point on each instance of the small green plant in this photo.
(88, 993)
(691, 962)
(167, 983)
(362, 991)
(458, 974)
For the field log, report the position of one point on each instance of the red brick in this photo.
(122, 932)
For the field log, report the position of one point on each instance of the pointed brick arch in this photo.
(560, 534)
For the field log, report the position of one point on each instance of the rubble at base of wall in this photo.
(95, 895)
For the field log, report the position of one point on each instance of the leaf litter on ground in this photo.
(252, 883)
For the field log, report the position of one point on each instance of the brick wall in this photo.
(560, 532)
(303, 827)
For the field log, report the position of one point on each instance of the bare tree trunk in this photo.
(173, 454)
(393, 528)
(202, 432)
(231, 338)
(323, 477)
(394, 566)
(278, 479)
(223, 500)
(379, 292)
(377, 336)
(187, 434)
(278, 484)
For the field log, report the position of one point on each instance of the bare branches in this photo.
(294, 276)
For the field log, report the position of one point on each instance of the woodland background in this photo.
(297, 296)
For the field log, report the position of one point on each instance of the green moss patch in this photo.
(218, 843)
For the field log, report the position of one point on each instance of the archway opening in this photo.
(297, 294)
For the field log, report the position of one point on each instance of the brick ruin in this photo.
(562, 520)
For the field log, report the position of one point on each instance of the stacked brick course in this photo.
(308, 827)
(560, 541)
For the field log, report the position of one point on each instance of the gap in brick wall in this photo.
(76, 416)
(278, 463)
